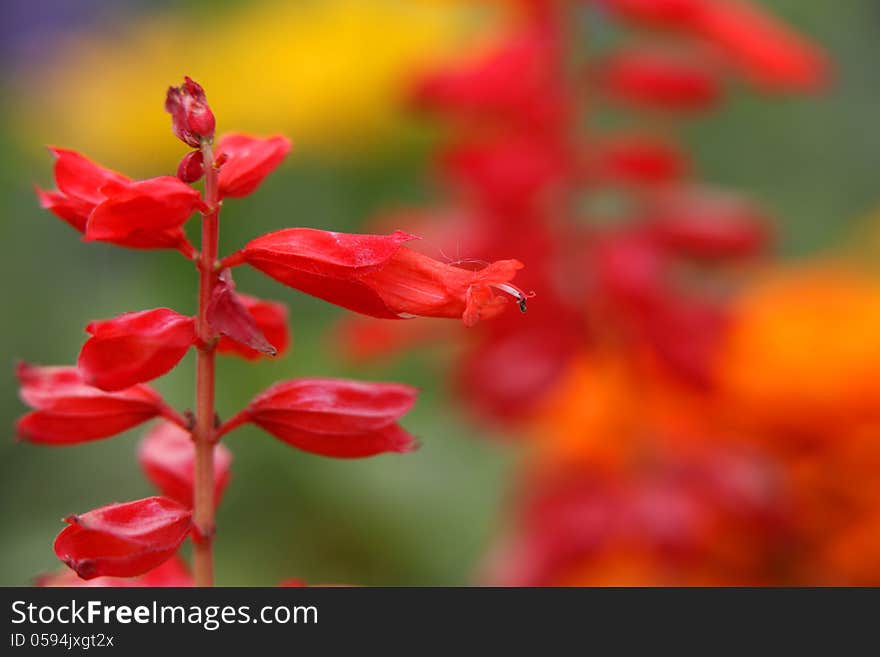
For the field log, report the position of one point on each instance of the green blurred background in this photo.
(416, 519)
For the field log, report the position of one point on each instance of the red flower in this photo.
(248, 161)
(135, 347)
(508, 172)
(708, 224)
(375, 275)
(82, 185)
(333, 417)
(191, 118)
(662, 79)
(123, 540)
(167, 456)
(244, 321)
(172, 573)
(637, 159)
(67, 410)
(764, 48)
(144, 213)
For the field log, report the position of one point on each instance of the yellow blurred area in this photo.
(331, 74)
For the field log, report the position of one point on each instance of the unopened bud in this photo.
(191, 117)
(191, 167)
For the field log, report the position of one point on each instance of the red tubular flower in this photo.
(82, 185)
(248, 161)
(333, 417)
(241, 319)
(167, 456)
(191, 117)
(172, 573)
(764, 48)
(375, 275)
(67, 410)
(709, 224)
(662, 79)
(144, 214)
(123, 540)
(638, 159)
(134, 347)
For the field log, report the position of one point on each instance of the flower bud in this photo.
(333, 417)
(191, 117)
(167, 455)
(135, 347)
(191, 167)
(172, 573)
(67, 410)
(124, 539)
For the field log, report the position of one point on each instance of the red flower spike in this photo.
(144, 214)
(662, 79)
(765, 49)
(191, 117)
(247, 161)
(81, 184)
(228, 315)
(123, 540)
(191, 167)
(374, 275)
(135, 347)
(167, 456)
(67, 410)
(333, 417)
(172, 573)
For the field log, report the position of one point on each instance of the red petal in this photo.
(663, 79)
(172, 573)
(415, 284)
(73, 211)
(639, 159)
(135, 347)
(228, 315)
(123, 540)
(516, 81)
(345, 446)
(709, 224)
(249, 161)
(167, 455)
(763, 47)
(142, 208)
(79, 178)
(70, 411)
